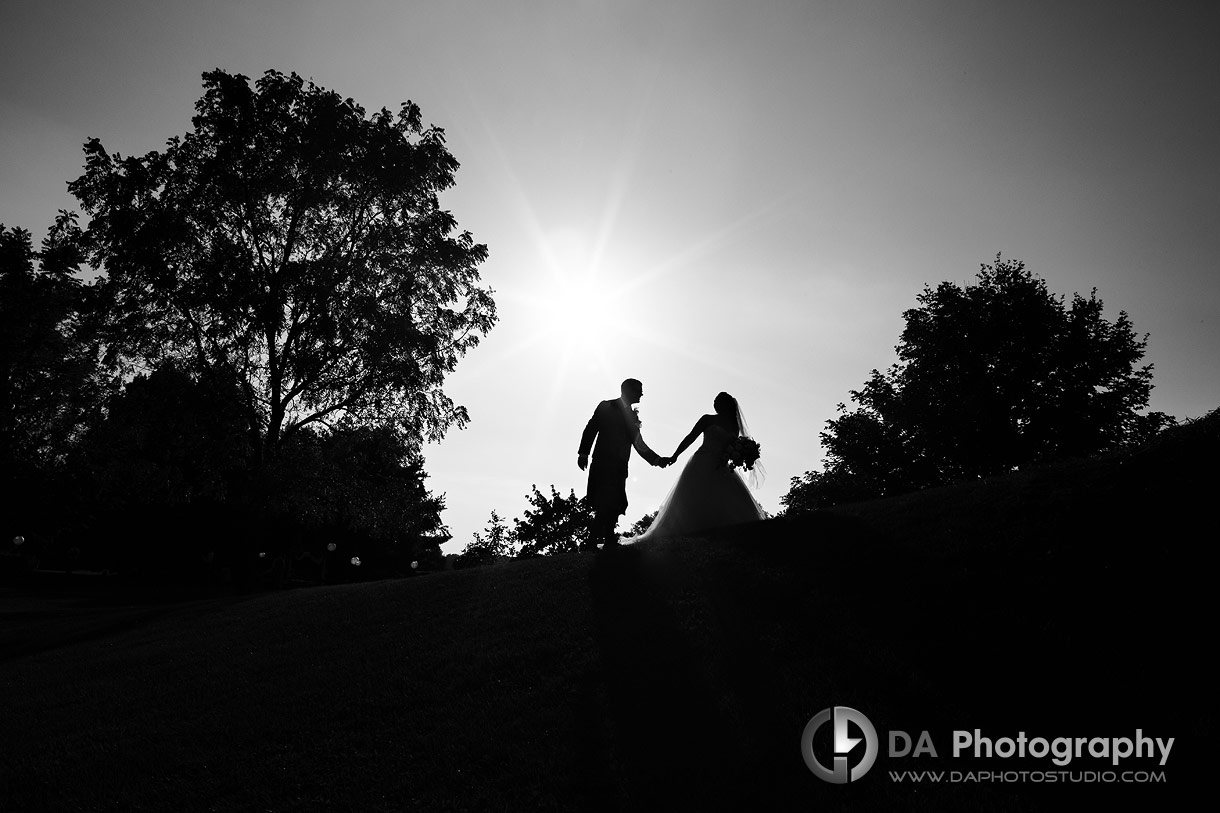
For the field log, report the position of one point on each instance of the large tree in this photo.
(297, 245)
(991, 377)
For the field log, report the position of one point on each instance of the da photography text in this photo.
(849, 746)
(1061, 750)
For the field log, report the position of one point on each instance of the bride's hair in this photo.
(725, 404)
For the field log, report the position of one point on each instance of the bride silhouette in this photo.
(708, 493)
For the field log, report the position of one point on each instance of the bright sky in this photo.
(706, 195)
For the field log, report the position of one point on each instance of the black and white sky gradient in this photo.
(705, 194)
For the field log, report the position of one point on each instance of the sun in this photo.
(581, 312)
(577, 309)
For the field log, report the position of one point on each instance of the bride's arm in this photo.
(694, 433)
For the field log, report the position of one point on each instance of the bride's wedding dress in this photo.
(708, 493)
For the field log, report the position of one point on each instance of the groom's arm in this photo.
(646, 453)
(586, 439)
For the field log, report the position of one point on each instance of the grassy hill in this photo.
(1067, 601)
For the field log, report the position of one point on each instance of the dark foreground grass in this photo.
(1072, 601)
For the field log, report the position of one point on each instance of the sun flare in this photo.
(577, 310)
(580, 313)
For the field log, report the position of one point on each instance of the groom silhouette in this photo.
(616, 426)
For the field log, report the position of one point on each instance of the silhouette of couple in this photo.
(707, 494)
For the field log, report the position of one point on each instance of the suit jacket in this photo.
(616, 430)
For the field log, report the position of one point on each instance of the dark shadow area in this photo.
(1066, 601)
(55, 610)
(670, 736)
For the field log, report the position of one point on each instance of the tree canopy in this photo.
(247, 344)
(47, 383)
(991, 377)
(297, 245)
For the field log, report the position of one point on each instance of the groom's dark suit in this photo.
(616, 429)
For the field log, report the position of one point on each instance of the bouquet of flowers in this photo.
(743, 452)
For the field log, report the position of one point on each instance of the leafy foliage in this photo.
(642, 524)
(47, 373)
(283, 296)
(358, 480)
(991, 377)
(50, 386)
(168, 439)
(554, 524)
(299, 246)
(173, 452)
(496, 545)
